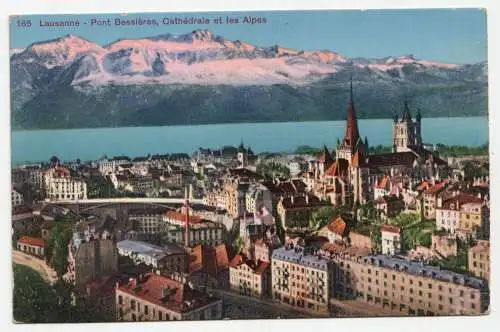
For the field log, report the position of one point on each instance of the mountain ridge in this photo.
(246, 79)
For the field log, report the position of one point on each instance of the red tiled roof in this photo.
(257, 267)
(210, 260)
(166, 293)
(339, 168)
(193, 219)
(390, 229)
(237, 260)
(338, 226)
(436, 188)
(32, 241)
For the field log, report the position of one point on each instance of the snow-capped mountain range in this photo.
(200, 58)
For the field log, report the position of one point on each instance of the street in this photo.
(36, 264)
(235, 306)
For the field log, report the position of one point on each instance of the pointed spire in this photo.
(351, 130)
(326, 157)
(406, 112)
(419, 116)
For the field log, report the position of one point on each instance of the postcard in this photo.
(249, 165)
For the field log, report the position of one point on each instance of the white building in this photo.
(391, 240)
(16, 198)
(448, 211)
(60, 185)
(295, 168)
(258, 197)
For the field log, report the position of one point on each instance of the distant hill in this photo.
(201, 78)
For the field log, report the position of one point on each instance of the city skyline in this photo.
(437, 34)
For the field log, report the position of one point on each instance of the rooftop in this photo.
(167, 293)
(297, 256)
(417, 268)
(32, 241)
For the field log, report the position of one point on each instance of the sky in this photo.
(447, 35)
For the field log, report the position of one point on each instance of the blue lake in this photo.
(87, 144)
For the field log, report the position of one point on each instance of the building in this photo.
(407, 134)
(31, 245)
(258, 197)
(100, 297)
(35, 176)
(16, 197)
(360, 241)
(427, 201)
(157, 298)
(448, 211)
(60, 185)
(479, 259)
(209, 266)
(389, 206)
(444, 246)
(249, 277)
(391, 240)
(207, 233)
(335, 231)
(406, 287)
(300, 279)
(90, 257)
(475, 219)
(171, 257)
(146, 221)
(296, 211)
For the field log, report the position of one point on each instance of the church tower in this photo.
(352, 142)
(242, 155)
(406, 132)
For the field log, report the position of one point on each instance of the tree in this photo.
(322, 216)
(238, 244)
(57, 248)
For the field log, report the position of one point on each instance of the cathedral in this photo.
(347, 175)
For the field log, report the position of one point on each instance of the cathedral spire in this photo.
(406, 112)
(351, 130)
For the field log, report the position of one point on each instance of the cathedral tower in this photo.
(352, 142)
(406, 132)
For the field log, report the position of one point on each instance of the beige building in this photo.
(300, 280)
(249, 277)
(408, 287)
(60, 185)
(31, 245)
(428, 199)
(157, 298)
(474, 216)
(479, 259)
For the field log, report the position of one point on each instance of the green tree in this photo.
(57, 247)
(238, 244)
(323, 215)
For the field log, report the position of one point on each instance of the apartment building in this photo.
(16, 197)
(300, 279)
(475, 217)
(408, 287)
(60, 185)
(207, 233)
(249, 277)
(448, 211)
(391, 239)
(158, 298)
(479, 259)
(146, 221)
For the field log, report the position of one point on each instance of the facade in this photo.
(474, 217)
(479, 259)
(207, 233)
(157, 298)
(60, 185)
(300, 280)
(31, 245)
(408, 288)
(428, 201)
(391, 240)
(90, 257)
(16, 198)
(249, 277)
(257, 197)
(146, 221)
(295, 212)
(448, 211)
(171, 257)
(407, 133)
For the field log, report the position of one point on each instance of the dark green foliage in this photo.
(57, 246)
(323, 215)
(100, 186)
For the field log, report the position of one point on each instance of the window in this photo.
(451, 300)
(132, 304)
(160, 315)
(440, 297)
(393, 277)
(473, 306)
(120, 299)
(462, 293)
(440, 287)
(430, 286)
(472, 296)
(420, 283)
(411, 281)
(146, 310)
